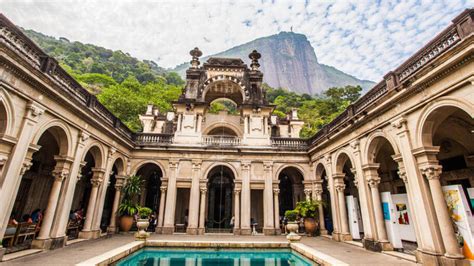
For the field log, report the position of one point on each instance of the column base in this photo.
(167, 230)
(58, 242)
(278, 231)
(245, 231)
(336, 236)
(89, 234)
(112, 230)
(158, 230)
(41, 243)
(201, 231)
(2, 252)
(345, 237)
(386, 246)
(323, 232)
(191, 231)
(237, 231)
(269, 231)
(428, 257)
(371, 245)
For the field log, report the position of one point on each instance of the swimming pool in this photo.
(208, 257)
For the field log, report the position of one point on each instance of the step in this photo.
(19, 254)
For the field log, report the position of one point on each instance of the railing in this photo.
(153, 139)
(220, 140)
(289, 143)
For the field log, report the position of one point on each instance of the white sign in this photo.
(353, 217)
(391, 222)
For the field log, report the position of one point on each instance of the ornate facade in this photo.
(411, 135)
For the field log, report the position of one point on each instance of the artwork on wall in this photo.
(386, 211)
(402, 214)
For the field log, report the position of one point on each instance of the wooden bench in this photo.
(10, 234)
(24, 232)
(73, 228)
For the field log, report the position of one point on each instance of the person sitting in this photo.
(12, 220)
(72, 216)
(26, 218)
(36, 216)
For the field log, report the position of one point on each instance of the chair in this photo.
(10, 234)
(25, 231)
(73, 228)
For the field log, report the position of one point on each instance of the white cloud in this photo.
(361, 37)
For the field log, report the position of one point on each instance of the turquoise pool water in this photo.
(208, 257)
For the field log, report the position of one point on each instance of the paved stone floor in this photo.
(82, 251)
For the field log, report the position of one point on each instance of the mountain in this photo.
(289, 61)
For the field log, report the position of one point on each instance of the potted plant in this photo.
(308, 209)
(143, 222)
(292, 225)
(128, 207)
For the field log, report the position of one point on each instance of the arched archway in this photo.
(447, 163)
(346, 184)
(383, 172)
(39, 190)
(107, 212)
(220, 203)
(223, 86)
(291, 188)
(322, 180)
(151, 175)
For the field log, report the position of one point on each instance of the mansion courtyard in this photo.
(388, 181)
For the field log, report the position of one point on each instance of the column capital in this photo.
(355, 145)
(203, 190)
(237, 191)
(173, 163)
(60, 174)
(267, 166)
(97, 176)
(245, 165)
(402, 174)
(25, 167)
(163, 189)
(337, 176)
(96, 182)
(111, 152)
(431, 171)
(374, 182)
(340, 186)
(400, 123)
(276, 191)
(307, 192)
(196, 164)
(34, 111)
(83, 136)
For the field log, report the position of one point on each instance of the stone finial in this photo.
(254, 55)
(195, 53)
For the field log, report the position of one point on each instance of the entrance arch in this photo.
(220, 208)
(325, 210)
(448, 165)
(107, 213)
(151, 175)
(291, 188)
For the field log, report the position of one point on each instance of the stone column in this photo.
(318, 190)
(432, 173)
(268, 225)
(96, 180)
(341, 201)
(168, 226)
(276, 205)
(307, 193)
(202, 211)
(236, 211)
(246, 125)
(199, 122)
(17, 165)
(245, 212)
(374, 181)
(61, 172)
(99, 205)
(194, 199)
(161, 211)
(119, 181)
(178, 127)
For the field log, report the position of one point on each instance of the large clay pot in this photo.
(126, 223)
(292, 227)
(310, 226)
(142, 225)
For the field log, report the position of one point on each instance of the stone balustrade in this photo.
(216, 140)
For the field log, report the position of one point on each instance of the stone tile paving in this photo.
(82, 251)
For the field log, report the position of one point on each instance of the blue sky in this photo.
(363, 38)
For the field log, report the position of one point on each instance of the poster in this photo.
(404, 221)
(461, 215)
(470, 191)
(353, 216)
(391, 220)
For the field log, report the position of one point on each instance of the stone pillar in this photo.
(432, 173)
(17, 165)
(199, 122)
(341, 202)
(119, 181)
(168, 226)
(245, 211)
(236, 211)
(374, 181)
(318, 191)
(246, 124)
(99, 206)
(96, 180)
(202, 211)
(161, 211)
(61, 172)
(178, 127)
(268, 225)
(307, 193)
(276, 205)
(194, 199)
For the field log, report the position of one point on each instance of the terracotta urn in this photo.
(310, 226)
(142, 225)
(292, 227)
(126, 223)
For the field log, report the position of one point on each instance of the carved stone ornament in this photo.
(432, 172)
(276, 191)
(374, 182)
